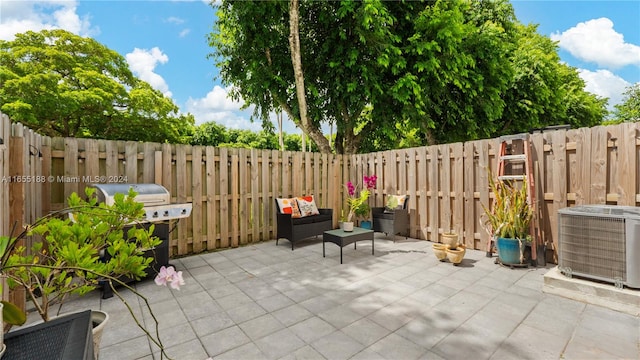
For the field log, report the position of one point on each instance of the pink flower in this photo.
(370, 181)
(351, 188)
(169, 275)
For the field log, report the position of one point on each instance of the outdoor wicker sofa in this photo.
(296, 229)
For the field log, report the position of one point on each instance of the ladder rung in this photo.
(516, 157)
(524, 136)
(512, 177)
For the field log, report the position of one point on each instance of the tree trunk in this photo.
(280, 134)
(296, 59)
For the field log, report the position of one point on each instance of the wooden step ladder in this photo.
(516, 149)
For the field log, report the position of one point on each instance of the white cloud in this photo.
(184, 33)
(21, 16)
(143, 62)
(604, 83)
(596, 41)
(219, 107)
(175, 20)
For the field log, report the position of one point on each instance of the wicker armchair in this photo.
(392, 221)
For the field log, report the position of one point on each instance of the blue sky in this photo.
(165, 43)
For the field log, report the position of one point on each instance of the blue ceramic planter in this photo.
(365, 224)
(509, 250)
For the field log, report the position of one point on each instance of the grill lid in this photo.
(155, 198)
(148, 194)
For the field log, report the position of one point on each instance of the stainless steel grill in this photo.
(159, 211)
(156, 199)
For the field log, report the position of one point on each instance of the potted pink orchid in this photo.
(359, 205)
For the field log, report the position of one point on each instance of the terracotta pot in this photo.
(450, 239)
(455, 255)
(440, 251)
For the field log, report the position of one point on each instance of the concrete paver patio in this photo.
(267, 302)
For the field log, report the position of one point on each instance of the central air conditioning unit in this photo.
(600, 242)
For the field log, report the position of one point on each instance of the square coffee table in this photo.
(342, 238)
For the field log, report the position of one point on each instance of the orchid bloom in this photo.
(169, 275)
(370, 181)
(351, 188)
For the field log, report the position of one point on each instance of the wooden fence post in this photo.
(16, 204)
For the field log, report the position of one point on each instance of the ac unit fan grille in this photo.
(593, 246)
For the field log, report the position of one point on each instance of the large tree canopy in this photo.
(340, 43)
(446, 70)
(61, 84)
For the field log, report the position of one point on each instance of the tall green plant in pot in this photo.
(508, 220)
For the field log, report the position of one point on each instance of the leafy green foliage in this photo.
(358, 205)
(69, 260)
(629, 109)
(340, 42)
(61, 84)
(213, 134)
(544, 91)
(12, 315)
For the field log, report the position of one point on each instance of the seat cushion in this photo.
(321, 218)
(311, 219)
(304, 220)
(385, 215)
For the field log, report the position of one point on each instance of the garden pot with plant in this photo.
(508, 220)
(69, 259)
(359, 205)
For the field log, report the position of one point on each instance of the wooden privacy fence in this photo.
(232, 190)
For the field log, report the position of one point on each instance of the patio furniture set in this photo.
(299, 218)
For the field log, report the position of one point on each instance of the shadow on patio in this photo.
(267, 302)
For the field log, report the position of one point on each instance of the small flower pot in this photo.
(348, 226)
(440, 251)
(450, 239)
(455, 255)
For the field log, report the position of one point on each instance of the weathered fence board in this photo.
(470, 221)
(196, 196)
(211, 180)
(457, 171)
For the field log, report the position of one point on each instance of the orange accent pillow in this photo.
(289, 206)
(307, 206)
